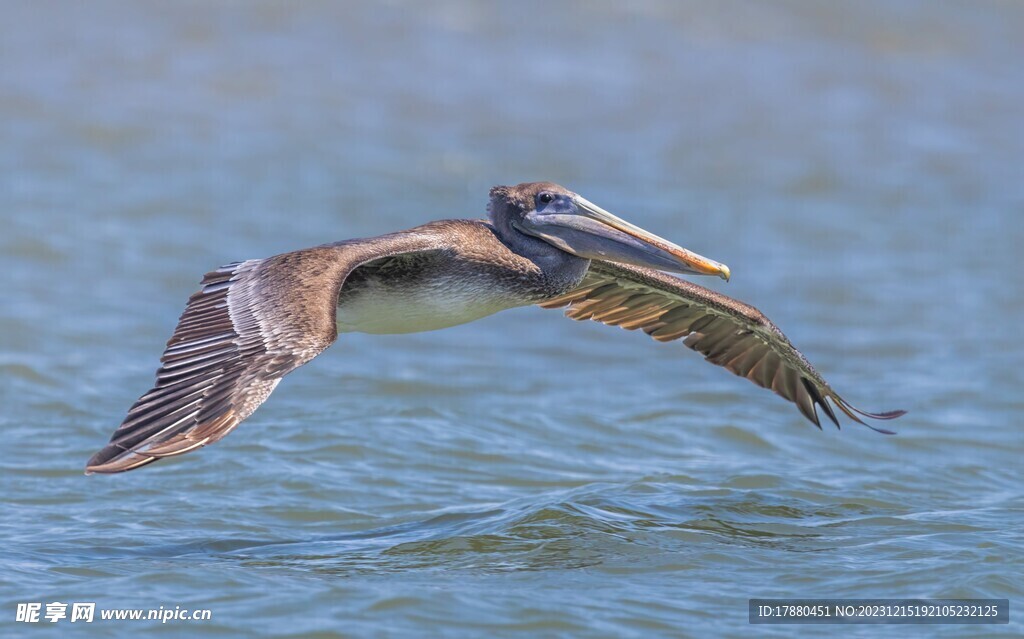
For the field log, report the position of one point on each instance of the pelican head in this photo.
(577, 226)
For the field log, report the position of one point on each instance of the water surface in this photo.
(858, 165)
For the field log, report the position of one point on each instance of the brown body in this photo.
(255, 321)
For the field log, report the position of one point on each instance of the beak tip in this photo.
(725, 273)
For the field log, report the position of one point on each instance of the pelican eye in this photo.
(545, 198)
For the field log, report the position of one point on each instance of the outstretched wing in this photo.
(727, 332)
(250, 324)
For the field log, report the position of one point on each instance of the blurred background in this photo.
(857, 165)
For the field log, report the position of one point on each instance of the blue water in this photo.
(857, 165)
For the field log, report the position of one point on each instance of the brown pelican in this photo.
(255, 321)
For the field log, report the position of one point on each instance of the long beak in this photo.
(596, 234)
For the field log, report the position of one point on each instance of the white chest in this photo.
(443, 302)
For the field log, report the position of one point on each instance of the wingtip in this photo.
(90, 466)
(101, 458)
(889, 414)
(853, 413)
(106, 462)
(825, 406)
(884, 431)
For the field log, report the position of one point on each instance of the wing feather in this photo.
(250, 324)
(726, 332)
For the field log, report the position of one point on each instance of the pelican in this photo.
(253, 322)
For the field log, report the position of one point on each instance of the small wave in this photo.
(594, 525)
